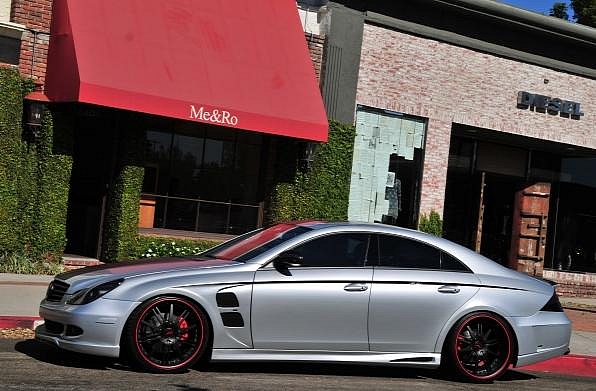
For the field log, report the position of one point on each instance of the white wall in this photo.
(5, 10)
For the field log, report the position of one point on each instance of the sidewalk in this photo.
(21, 295)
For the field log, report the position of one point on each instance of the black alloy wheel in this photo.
(481, 347)
(167, 334)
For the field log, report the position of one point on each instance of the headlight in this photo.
(88, 295)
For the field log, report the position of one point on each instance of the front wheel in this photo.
(167, 334)
(480, 347)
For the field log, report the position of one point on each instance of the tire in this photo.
(479, 348)
(166, 334)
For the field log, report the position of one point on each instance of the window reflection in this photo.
(575, 248)
(198, 172)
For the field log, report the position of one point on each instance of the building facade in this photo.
(25, 36)
(208, 101)
(479, 111)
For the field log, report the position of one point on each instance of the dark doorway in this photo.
(93, 151)
(403, 194)
(499, 194)
(536, 207)
(478, 212)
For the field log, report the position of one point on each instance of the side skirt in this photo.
(418, 360)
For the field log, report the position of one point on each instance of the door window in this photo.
(396, 251)
(400, 252)
(339, 250)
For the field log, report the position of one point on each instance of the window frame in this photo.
(365, 263)
(465, 268)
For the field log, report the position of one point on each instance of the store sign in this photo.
(546, 104)
(222, 117)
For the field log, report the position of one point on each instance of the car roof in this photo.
(477, 262)
(378, 227)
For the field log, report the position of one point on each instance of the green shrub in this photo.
(120, 232)
(152, 246)
(21, 263)
(321, 192)
(34, 179)
(11, 148)
(431, 224)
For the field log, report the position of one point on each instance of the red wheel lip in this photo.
(200, 345)
(507, 362)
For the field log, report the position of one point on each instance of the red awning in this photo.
(236, 63)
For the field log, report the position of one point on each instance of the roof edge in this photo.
(476, 44)
(534, 19)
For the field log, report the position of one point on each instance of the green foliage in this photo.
(34, 181)
(559, 10)
(11, 109)
(20, 263)
(150, 246)
(121, 226)
(322, 192)
(584, 12)
(431, 224)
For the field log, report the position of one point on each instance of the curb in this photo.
(575, 365)
(579, 307)
(23, 322)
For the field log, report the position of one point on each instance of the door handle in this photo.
(355, 287)
(448, 289)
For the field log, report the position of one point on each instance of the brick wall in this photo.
(316, 44)
(36, 16)
(449, 84)
(573, 284)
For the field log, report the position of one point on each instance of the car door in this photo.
(320, 305)
(416, 289)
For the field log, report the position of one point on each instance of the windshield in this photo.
(251, 244)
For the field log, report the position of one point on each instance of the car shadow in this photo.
(355, 370)
(50, 354)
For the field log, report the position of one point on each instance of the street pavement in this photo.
(20, 296)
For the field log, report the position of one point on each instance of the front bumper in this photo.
(93, 328)
(542, 336)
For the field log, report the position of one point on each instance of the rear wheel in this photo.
(480, 347)
(167, 334)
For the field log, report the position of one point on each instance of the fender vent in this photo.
(232, 319)
(226, 300)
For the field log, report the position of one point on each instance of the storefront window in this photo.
(535, 206)
(386, 168)
(203, 180)
(575, 235)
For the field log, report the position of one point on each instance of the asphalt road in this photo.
(30, 365)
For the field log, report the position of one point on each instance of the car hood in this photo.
(128, 269)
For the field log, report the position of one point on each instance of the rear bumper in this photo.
(542, 336)
(543, 355)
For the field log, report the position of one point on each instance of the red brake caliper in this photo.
(183, 325)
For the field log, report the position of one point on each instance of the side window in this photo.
(450, 263)
(400, 252)
(338, 250)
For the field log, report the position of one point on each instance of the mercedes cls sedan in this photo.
(312, 291)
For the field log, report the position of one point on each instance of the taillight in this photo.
(553, 305)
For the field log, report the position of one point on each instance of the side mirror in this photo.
(288, 259)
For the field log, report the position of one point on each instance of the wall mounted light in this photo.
(307, 155)
(34, 104)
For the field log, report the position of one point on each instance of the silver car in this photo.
(312, 291)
